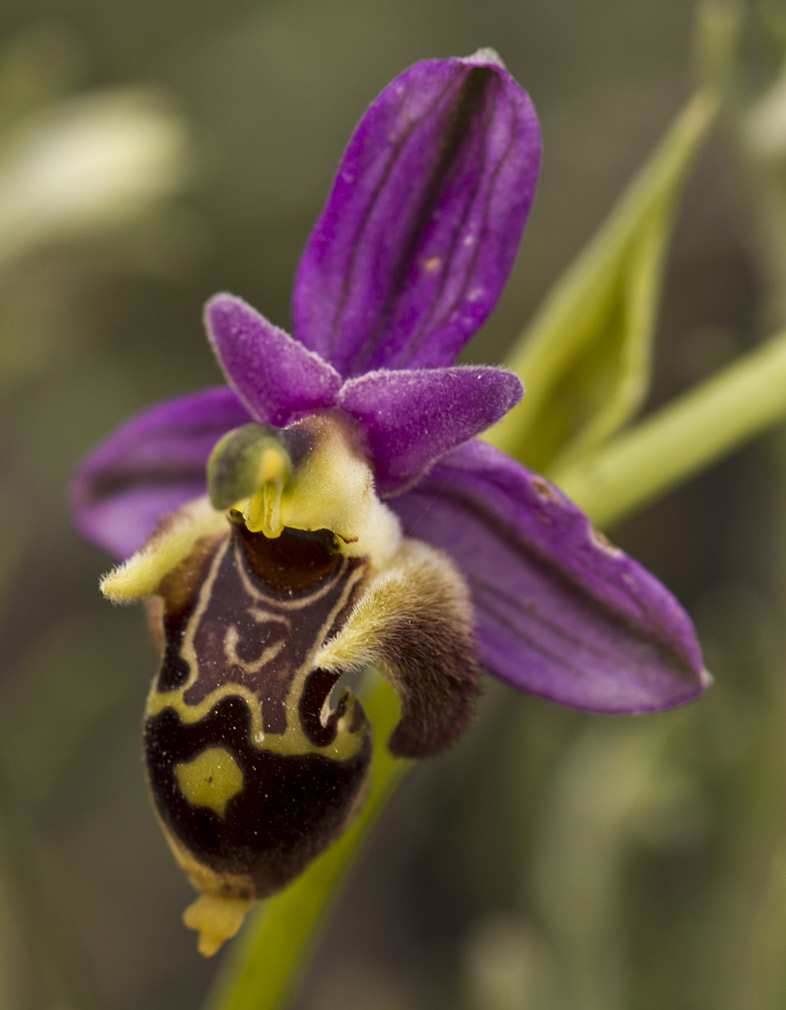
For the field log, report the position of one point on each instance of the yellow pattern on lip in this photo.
(211, 779)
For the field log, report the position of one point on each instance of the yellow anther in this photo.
(247, 472)
(262, 511)
(273, 465)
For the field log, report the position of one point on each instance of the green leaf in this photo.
(585, 359)
(683, 438)
(272, 951)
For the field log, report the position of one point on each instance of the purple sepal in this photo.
(421, 228)
(150, 466)
(561, 612)
(410, 419)
(277, 378)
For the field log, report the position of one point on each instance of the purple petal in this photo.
(422, 226)
(561, 612)
(148, 467)
(277, 378)
(412, 418)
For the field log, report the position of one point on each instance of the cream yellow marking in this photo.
(294, 740)
(231, 639)
(211, 779)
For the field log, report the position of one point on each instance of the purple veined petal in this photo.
(151, 465)
(422, 225)
(411, 418)
(277, 378)
(560, 611)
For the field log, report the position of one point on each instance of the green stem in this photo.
(685, 437)
(269, 961)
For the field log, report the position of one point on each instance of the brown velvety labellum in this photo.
(252, 772)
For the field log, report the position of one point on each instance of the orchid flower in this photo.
(330, 509)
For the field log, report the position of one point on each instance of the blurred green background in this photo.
(553, 860)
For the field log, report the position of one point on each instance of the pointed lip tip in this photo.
(208, 309)
(220, 296)
(486, 56)
(705, 679)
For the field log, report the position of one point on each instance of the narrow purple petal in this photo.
(151, 465)
(277, 378)
(561, 612)
(421, 228)
(412, 418)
